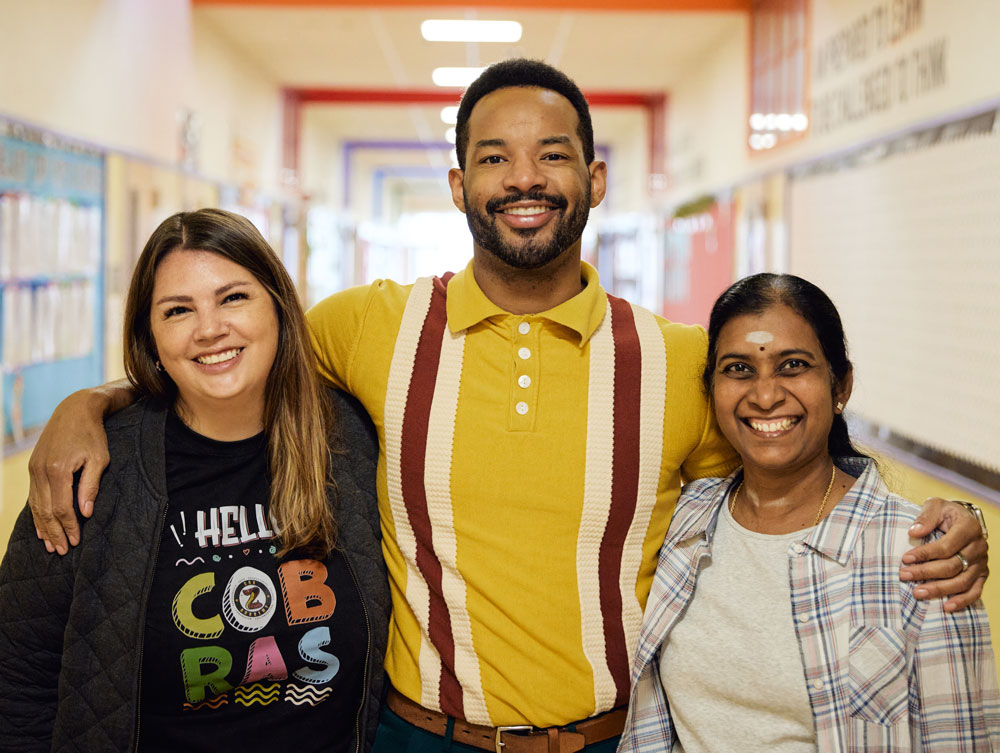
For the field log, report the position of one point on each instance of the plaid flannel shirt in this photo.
(884, 671)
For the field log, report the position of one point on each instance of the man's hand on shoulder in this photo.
(954, 565)
(73, 440)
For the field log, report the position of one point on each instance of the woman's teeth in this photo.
(771, 426)
(225, 355)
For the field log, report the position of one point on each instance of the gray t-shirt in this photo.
(731, 667)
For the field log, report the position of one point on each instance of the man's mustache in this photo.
(502, 202)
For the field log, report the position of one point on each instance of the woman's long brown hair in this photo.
(297, 416)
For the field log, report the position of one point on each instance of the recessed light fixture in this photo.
(470, 31)
(449, 114)
(460, 77)
(779, 121)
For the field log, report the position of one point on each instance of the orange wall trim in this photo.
(448, 96)
(654, 103)
(667, 6)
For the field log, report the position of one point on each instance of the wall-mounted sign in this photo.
(873, 64)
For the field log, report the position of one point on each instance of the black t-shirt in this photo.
(242, 651)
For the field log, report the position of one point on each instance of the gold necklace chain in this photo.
(829, 488)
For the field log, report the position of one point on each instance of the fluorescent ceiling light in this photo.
(470, 31)
(449, 114)
(460, 77)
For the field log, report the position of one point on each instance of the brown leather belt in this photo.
(519, 739)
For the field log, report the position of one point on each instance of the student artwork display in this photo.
(51, 250)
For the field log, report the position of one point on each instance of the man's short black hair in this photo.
(523, 72)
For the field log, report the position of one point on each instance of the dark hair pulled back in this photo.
(757, 293)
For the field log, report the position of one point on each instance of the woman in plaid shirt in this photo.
(802, 636)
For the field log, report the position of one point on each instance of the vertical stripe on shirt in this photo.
(413, 441)
(412, 375)
(653, 397)
(624, 487)
(620, 485)
(437, 482)
(397, 390)
(597, 486)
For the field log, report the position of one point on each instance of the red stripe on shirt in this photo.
(624, 488)
(413, 451)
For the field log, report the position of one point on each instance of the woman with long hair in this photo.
(229, 591)
(777, 619)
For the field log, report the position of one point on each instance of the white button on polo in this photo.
(521, 407)
(524, 328)
(524, 381)
(798, 548)
(803, 618)
(817, 684)
(524, 354)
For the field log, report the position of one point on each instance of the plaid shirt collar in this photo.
(835, 536)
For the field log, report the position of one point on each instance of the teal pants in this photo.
(396, 736)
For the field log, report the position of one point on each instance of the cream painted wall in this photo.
(707, 119)
(241, 108)
(87, 67)
(118, 72)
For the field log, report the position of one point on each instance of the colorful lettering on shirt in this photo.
(249, 602)
(229, 526)
(184, 619)
(194, 663)
(309, 649)
(307, 597)
(264, 662)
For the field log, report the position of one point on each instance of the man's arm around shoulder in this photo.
(73, 440)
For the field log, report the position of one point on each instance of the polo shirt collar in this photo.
(468, 305)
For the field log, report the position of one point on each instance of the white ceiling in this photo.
(381, 48)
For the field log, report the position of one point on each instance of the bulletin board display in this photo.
(51, 281)
(905, 238)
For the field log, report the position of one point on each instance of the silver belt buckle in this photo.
(516, 728)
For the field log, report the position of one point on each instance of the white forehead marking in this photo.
(760, 337)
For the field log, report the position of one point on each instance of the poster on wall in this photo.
(51, 256)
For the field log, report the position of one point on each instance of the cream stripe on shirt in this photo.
(596, 504)
(400, 373)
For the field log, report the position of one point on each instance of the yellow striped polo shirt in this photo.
(528, 470)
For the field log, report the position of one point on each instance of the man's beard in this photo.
(529, 253)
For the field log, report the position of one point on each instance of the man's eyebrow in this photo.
(547, 141)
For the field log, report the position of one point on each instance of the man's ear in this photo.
(456, 180)
(598, 182)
